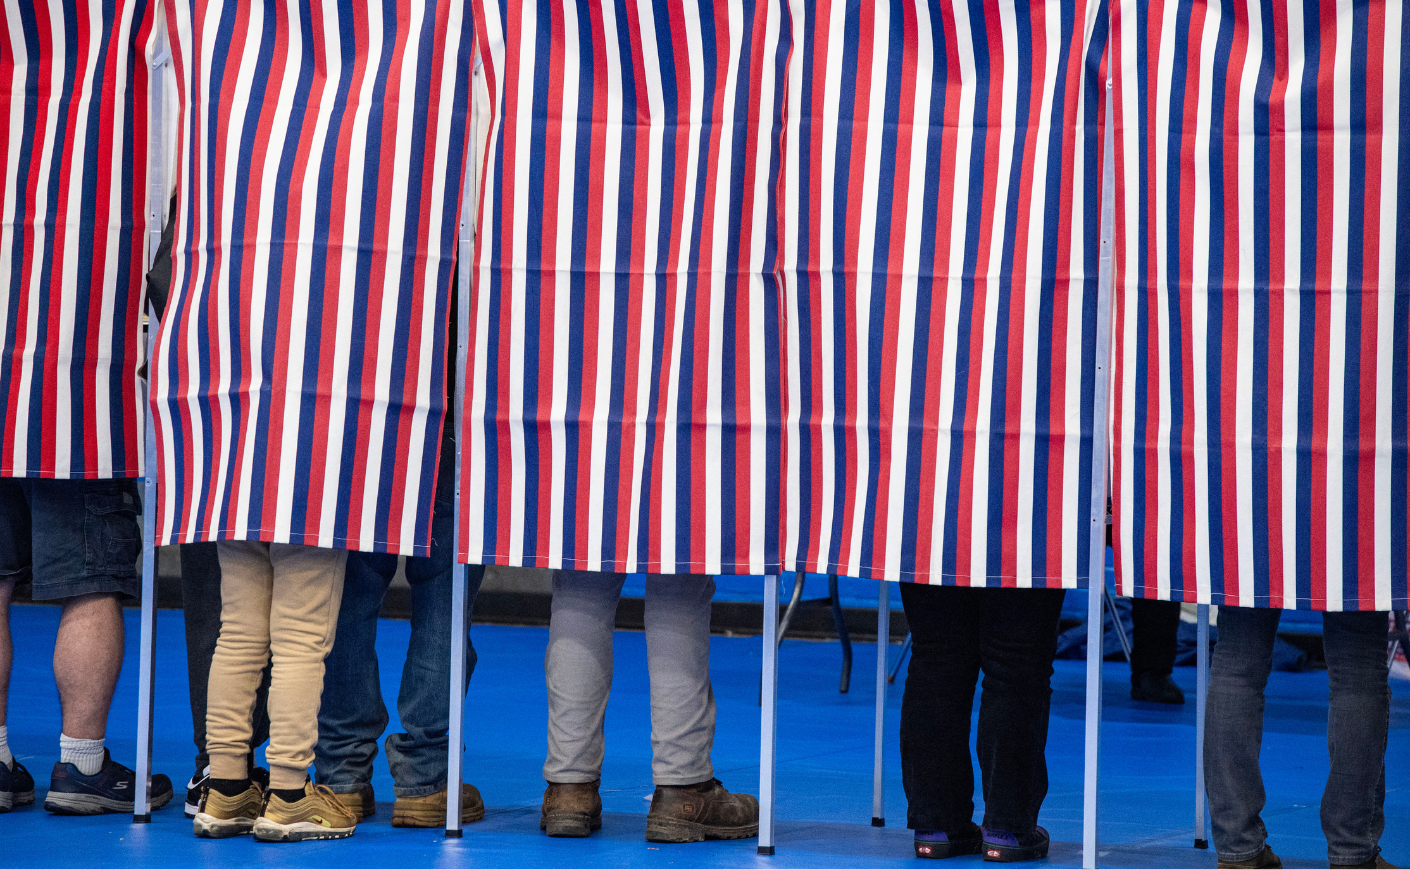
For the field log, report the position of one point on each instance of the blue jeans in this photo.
(353, 715)
(1358, 719)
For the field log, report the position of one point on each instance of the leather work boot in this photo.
(429, 811)
(361, 801)
(571, 809)
(704, 811)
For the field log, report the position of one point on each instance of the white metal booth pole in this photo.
(458, 605)
(156, 217)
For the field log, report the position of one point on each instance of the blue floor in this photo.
(824, 774)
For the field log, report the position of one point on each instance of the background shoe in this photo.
(1265, 858)
(195, 790)
(318, 815)
(429, 811)
(196, 785)
(361, 802)
(705, 811)
(937, 844)
(16, 786)
(110, 790)
(571, 809)
(1005, 846)
(219, 815)
(1156, 688)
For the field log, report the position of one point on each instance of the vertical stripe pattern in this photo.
(1261, 424)
(624, 397)
(73, 171)
(301, 365)
(941, 193)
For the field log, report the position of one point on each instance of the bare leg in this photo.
(87, 661)
(7, 649)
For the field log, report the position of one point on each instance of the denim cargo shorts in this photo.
(70, 537)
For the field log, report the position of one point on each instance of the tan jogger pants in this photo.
(278, 600)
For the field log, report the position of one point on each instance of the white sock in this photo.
(86, 755)
(5, 756)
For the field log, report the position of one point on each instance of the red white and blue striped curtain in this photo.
(301, 364)
(624, 384)
(1262, 404)
(941, 202)
(73, 170)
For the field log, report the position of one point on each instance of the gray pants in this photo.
(578, 668)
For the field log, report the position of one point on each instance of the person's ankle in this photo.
(230, 787)
(83, 753)
(6, 758)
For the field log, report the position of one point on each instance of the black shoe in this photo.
(1004, 846)
(938, 844)
(16, 786)
(199, 780)
(195, 786)
(110, 790)
(1156, 688)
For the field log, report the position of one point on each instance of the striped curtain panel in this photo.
(941, 201)
(301, 365)
(73, 186)
(1262, 404)
(624, 385)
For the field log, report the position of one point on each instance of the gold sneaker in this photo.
(318, 815)
(429, 811)
(221, 816)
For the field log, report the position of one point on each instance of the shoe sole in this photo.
(571, 825)
(266, 831)
(676, 831)
(208, 826)
(11, 799)
(950, 849)
(71, 804)
(423, 819)
(1009, 854)
(192, 809)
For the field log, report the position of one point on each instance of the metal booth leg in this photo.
(768, 716)
(883, 641)
(1201, 701)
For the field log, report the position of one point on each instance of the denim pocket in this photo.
(111, 535)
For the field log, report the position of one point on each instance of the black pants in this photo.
(1156, 624)
(1010, 634)
(200, 601)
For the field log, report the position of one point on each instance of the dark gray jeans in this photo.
(1358, 719)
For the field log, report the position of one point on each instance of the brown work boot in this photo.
(429, 811)
(704, 811)
(361, 802)
(571, 809)
(1265, 858)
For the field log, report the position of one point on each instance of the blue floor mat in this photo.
(824, 772)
